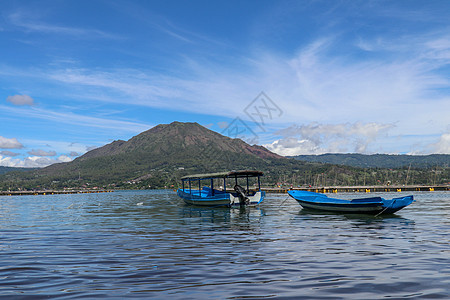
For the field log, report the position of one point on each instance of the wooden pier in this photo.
(51, 192)
(362, 189)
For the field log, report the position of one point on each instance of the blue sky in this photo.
(299, 77)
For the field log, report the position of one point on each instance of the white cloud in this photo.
(32, 161)
(443, 145)
(64, 158)
(6, 143)
(20, 100)
(293, 146)
(40, 158)
(315, 138)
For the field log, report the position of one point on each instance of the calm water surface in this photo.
(148, 244)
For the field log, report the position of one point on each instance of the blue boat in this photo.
(210, 196)
(372, 205)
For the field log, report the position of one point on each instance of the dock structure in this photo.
(362, 189)
(51, 192)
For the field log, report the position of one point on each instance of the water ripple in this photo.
(148, 244)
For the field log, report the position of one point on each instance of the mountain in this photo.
(379, 160)
(155, 157)
(169, 139)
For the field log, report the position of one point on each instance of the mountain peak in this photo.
(177, 139)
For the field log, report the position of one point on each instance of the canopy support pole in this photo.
(190, 190)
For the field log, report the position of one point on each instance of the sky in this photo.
(298, 77)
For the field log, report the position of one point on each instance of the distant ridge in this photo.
(4, 170)
(379, 160)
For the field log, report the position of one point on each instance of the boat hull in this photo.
(372, 205)
(204, 198)
(365, 208)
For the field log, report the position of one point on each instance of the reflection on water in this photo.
(149, 244)
(215, 214)
(361, 220)
(242, 219)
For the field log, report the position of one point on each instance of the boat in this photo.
(371, 205)
(211, 196)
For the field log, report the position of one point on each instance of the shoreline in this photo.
(363, 189)
(51, 192)
(280, 190)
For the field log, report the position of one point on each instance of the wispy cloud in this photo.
(336, 78)
(28, 22)
(9, 153)
(313, 85)
(152, 21)
(76, 119)
(40, 152)
(198, 88)
(70, 149)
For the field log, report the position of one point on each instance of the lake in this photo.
(149, 244)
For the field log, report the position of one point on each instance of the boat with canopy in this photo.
(192, 191)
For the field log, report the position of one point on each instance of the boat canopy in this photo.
(230, 174)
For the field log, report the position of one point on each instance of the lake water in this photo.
(148, 244)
